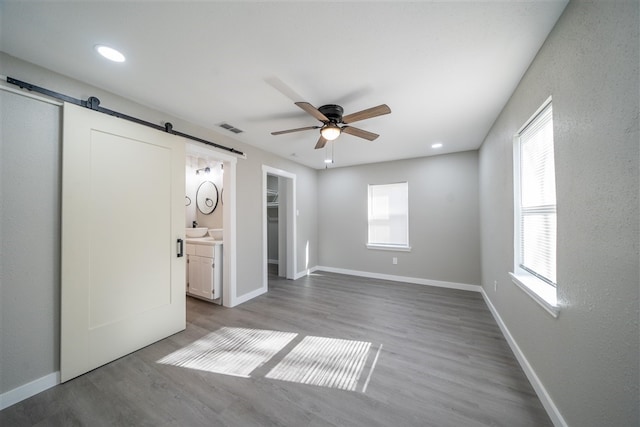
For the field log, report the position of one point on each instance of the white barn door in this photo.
(123, 285)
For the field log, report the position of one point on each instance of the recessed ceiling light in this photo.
(109, 53)
(437, 145)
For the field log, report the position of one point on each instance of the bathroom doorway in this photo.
(207, 166)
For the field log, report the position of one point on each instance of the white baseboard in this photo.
(273, 261)
(543, 395)
(25, 391)
(414, 280)
(246, 297)
(304, 273)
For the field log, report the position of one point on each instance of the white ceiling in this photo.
(445, 68)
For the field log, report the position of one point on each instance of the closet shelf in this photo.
(272, 198)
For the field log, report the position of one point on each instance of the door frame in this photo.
(291, 215)
(229, 258)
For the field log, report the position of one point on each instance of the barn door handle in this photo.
(180, 248)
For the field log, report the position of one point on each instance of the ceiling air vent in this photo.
(230, 128)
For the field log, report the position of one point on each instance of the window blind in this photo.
(388, 214)
(538, 198)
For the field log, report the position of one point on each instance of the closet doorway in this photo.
(279, 223)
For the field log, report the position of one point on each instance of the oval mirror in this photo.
(207, 197)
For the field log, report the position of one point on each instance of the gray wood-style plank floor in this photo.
(441, 361)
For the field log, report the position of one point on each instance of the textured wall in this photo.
(30, 240)
(443, 218)
(587, 359)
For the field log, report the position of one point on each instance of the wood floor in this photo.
(441, 361)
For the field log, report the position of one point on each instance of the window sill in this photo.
(389, 247)
(539, 291)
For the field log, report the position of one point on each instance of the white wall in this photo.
(587, 358)
(444, 231)
(44, 298)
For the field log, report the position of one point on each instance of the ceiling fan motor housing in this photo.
(332, 112)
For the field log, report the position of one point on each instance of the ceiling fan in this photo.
(331, 117)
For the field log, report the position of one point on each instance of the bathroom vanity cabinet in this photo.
(204, 269)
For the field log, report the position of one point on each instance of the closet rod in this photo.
(93, 103)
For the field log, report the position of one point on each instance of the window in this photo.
(535, 209)
(389, 216)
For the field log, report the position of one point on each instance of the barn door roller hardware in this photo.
(93, 103)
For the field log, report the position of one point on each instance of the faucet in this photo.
(194, 224)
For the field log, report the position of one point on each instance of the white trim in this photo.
(305, 272)
(541, 391)
(273, 261)
(414, 280)
(229, 234)
(291, 206)
(379, 247)
(534, 115)
(32, 388)
(250, 295)
(541, 292)
(195, 148)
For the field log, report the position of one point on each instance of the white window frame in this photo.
(400, 246)
(540, 290)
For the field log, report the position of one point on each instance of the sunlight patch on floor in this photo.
(230, 351)
(326, 362)
(318, 361)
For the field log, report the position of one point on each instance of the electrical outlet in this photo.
(395, 260)
(495, 285)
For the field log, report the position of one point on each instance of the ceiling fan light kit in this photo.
(330, 131)
(331, 116)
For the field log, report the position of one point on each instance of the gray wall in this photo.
(444, 231)
(249, 205)
(30, 230)
(587, 359)
(35, 339)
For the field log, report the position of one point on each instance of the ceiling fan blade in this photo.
(360, 133)
(321, 142)
(367, 114)
(312, 110)
(280, 132)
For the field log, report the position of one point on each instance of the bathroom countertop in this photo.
(203, 241)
